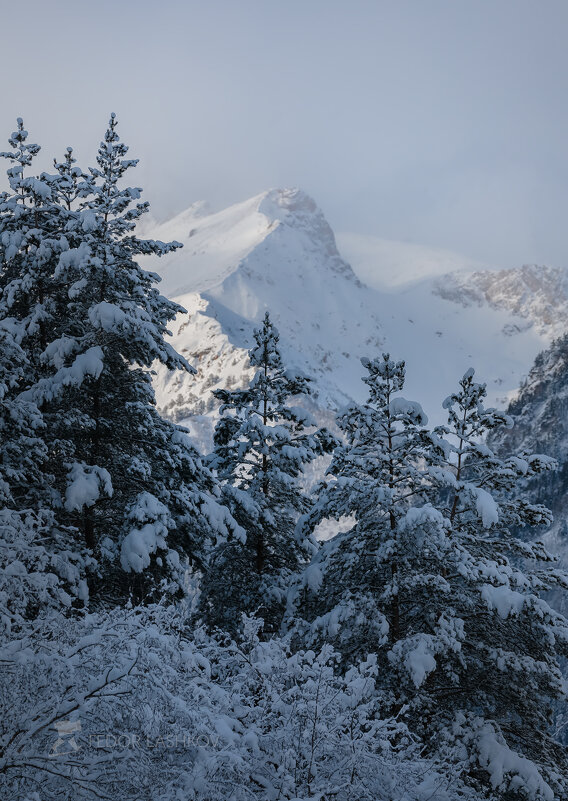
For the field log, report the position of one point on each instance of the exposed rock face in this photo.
(536, 294)
(540, 414)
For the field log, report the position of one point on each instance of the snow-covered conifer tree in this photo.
(127, 480)
(21, 446)
(30, 243)
(470, 656)
(262, 444)
(375, 476)
(40, 564)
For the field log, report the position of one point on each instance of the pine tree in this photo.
(21, 445)
(127, 480)
(41, 567)
(31, 240)
(432, 579)
(375, 476)
(262, 444)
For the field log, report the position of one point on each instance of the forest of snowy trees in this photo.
(171, 627)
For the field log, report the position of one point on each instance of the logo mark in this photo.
(66, 742)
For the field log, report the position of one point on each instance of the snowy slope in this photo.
(277, 252)
(284, 259)
(214, 244)
(386, 264)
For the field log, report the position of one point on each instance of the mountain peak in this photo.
(287, 204)
(275, 231)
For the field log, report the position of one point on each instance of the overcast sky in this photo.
(439, 122)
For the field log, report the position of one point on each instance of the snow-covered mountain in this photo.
(540, 413)
(538, 295)
(277, 252)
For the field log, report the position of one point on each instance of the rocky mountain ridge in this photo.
(540, 415)
(536, 294)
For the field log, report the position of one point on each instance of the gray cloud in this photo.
(441, 123)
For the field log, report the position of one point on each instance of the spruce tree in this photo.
(31, 241)
(375, 476)
(22, 448)
(128, 481)
(432, 579)
(261, 445)
(41, 565)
